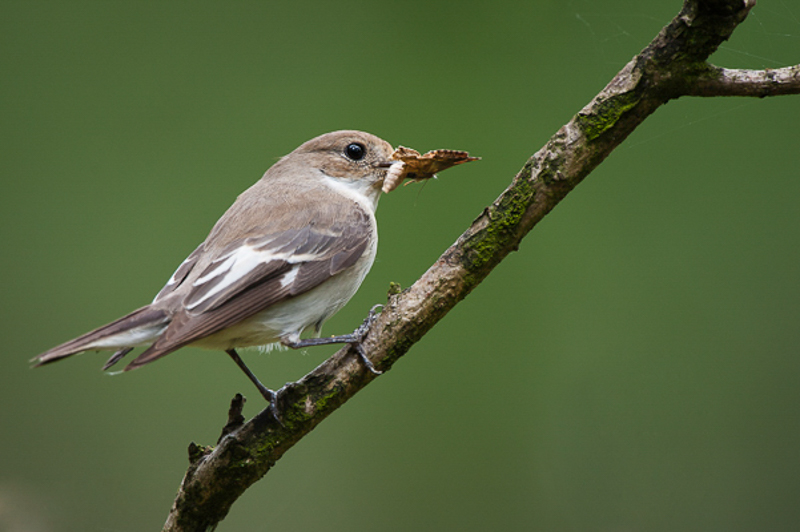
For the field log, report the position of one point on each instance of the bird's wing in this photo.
(251, 274)
(180, 274)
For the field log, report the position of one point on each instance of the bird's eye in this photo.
(355, 151)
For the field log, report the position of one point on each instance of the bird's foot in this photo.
(355, 339)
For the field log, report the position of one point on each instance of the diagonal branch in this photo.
(672, 65)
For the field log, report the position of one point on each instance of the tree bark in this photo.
(672, 65)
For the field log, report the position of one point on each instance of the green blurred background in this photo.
(634, 366)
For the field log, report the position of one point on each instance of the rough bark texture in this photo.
(672, 65)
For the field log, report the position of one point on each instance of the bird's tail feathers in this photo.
(140, 327)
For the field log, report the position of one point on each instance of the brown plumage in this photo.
(288, 254)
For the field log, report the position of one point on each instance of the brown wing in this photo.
(180, 274)
(255, 273)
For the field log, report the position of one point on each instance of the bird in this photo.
(289, 253)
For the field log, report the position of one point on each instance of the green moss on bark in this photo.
(606, 113)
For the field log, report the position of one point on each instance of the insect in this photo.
(415, 167)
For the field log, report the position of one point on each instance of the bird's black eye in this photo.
(355, 151)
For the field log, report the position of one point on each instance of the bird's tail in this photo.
(140, 327)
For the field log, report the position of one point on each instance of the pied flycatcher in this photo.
(286, 256)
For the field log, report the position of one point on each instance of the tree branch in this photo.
(717, 81)
(672, 65)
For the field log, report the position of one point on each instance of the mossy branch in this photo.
(672, 65)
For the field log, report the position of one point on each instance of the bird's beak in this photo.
(383, 164)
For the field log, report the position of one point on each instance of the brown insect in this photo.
(410, 164)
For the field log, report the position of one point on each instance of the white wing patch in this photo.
(231, 269)
(239, 263)
(289, 277)
(225, 267)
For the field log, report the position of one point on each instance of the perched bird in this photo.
(286, 256)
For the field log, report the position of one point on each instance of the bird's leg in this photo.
(355, 338)
(268, 394)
